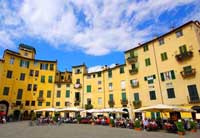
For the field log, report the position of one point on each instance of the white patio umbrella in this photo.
(163, 108)
(113, 110)
(70, 109)
(93, 111)
(46, 109)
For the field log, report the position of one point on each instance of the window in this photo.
(152, 95)
(183, 49)
(31, 72)
(6, 91)
(29, 87)
(22, 76)
(111, 97)
(193, 93)
(25, 54)
(134, 82)
(109, 73)
(67, 104)
(161, 41)
(57, 103)
(43, 66)
(99, 82)
(77, 81)
(27, 103)
(99, 74)
(59, 85)
(58, 94)
(43, 79)
(39, 103)
(77, 96)
(110, 86)
(32, 103)
(99, 89)
(12, 59)
(132, 54)
(51, 66)
(179, 33)
(133, 66)
(146, 48)
(48, 94)
(89, 101)
(67, 93)
(35, 63)
(47, 103)
(9, 74)
(100, 101)
(170, 93)
(121, 69)
(123, 96)
(164, 56)
(123, 84)
(50, 80)
(77, 71)
(18, 102)
(187, 69)
(24, 63)
(169, 75)
(94, 75)
(19, 94)
(68, 85)
(150, 79)
(88, 88)
(41, 93)
(147, 62)
(136, 97)
(35, 87)
(88, 76)
(36, 73)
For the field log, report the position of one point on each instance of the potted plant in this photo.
(180, 127)
(193, 125)
(137, 125)
(112, 123)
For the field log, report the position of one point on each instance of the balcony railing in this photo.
(77, 102)
(124, 102)
(132, 59)
(111, 103)
(193, 100)
(188, 73)
(133, 71)
(184, 56)
(40, 99)
(137, 104)
(77, 86)
(64, 81)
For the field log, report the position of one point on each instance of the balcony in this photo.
(77, 86)
(111, 103)
(193, 100)
(132, 59)
(188, 73)
(184, 56)
(124, 102)
(77, 102)
(40, 99)
(137, 104)
(88, 106)
(133, 71)
(63, 81)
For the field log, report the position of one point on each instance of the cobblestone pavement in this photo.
(23, 130)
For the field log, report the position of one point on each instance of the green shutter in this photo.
(152, 115)
(27, 64)
(111, 97)
(162, 77)
(154, 76)
(136, 97)
(67, 93)
(162, 58)
(123, 96)
(158, 115)
(145, 78)
(173, 74)
(20, 63)
(88, 88)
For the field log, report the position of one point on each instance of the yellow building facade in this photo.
(164, 70)
(26, 83)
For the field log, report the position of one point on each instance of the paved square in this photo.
(23, 130)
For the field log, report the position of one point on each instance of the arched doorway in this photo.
(16, 115)
(196, 108)
(4, 105)
(25, 115)
(125, 115)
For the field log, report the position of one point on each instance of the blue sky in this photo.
(94, 32)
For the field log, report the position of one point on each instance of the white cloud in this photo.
(5, 40)
(96, 27)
